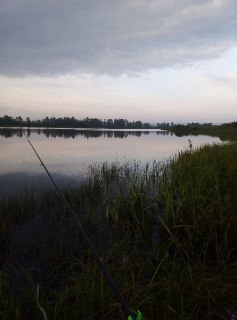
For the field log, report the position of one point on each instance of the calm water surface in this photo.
(68, 152)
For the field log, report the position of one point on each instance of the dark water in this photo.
(68, 152)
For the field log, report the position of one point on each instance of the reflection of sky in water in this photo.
(71, 156)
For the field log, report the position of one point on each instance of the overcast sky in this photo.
(170, 60)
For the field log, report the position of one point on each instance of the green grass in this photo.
(225, 131)
(166, 231)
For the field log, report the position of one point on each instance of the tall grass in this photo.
(166, 231)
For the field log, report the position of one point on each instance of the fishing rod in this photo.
(131, 315)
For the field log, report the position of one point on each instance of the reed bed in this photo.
(166, 231)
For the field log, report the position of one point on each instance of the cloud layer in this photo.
(50, 37)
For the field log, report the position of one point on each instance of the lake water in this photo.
(68, 152)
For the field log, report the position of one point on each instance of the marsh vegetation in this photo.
(166, 231)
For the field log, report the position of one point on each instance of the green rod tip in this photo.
(139, 316)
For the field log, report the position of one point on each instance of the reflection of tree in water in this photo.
(164, 133)
(120, 134)
(92, 134)
(109, 134)
(10, 132)
(28, 132)
(72, 133)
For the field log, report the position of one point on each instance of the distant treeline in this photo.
(194, 126)
(189, 126)
(226, 129)
(67, 122)
(72, 122)
(197, 126)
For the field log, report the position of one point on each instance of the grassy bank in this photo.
(225, 131)
(167, 233)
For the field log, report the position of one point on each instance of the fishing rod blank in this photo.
(107, 275)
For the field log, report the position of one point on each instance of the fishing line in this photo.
(87, 241)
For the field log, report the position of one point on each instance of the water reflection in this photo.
(20, 182)
(73, 133)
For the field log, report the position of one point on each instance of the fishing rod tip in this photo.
(137, 316)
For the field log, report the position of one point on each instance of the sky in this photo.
(149, 60)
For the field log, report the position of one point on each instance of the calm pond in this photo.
(67, 153)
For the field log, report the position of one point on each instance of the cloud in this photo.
(50, 37)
